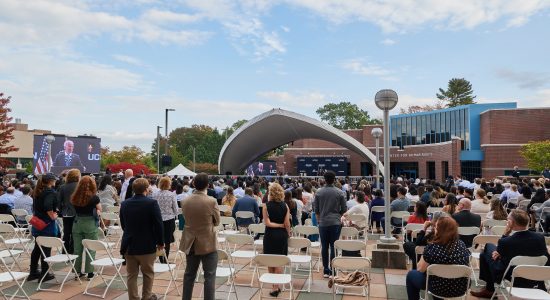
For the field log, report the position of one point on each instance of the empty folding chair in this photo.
(13, 254)
(448, 272)
(101, 236)
(295, 244)
(241, 240)
(350, 233)
(20, 216)
(62, 257)
(308, 231)
(229, 225)
(274, 261)
(350, 264)
(410, 228)
(109, 261)
(114, 226)
(9, 219)
(226, 272)
(170, 268)
(516, 261)
(498, 230)
(17, 277)
(350, 246)
(536, 273)
(490, 223)
(255, 230)
(13, 238)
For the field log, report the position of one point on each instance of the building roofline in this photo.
(522, 108)
(452, 109)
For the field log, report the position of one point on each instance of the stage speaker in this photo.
(166, 160)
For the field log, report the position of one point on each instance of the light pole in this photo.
(166, 130)
(158, 148)
(376, 133)
(386, 100)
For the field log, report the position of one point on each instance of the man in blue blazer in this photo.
(141, 222)
(516, 241)
(246, 203)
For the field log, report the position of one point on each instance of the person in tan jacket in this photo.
(199, 241)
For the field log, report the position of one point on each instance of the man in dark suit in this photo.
(246, 203)
(66, 157)
(464, 218)
(516, 241)
(141, 222)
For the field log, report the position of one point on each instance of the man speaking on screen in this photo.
(66, 157)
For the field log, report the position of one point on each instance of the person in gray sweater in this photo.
(329, 206)
(66, 208)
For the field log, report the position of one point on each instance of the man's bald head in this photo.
(465, 204)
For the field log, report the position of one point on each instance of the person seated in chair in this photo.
(516, 241)
(465, 218)
(246, 203)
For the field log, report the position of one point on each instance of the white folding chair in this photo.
(296, 244)
(350, 233)
(544, 212)
(229, 225)
(20, 217)
(447, 272)
(513, 201)
(471, 230)
(498, 230)
(227, 273)
(350, 245)
(17, 277)
(351, 264)
(308, 231)
(490, 223)
(496, 196)
(240, 240)
(170, 268)
(358, 219)
(536, 273)
(256, 229)
(523, 204)
(112, 209)
(62, 257)
(9, 219)
(376, 209)
(479, 243)
(432, 210)
(245, 215)
(516, 261)
(114, 226)
(224, 209)
(13, 254)
(101, 237)
(308, 222)
(402, 215)
(412, 227)
(91, 246)
(274, 261)
(13, 237)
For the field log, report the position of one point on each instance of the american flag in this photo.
(44, 161)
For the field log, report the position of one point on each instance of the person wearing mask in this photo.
(66, 207)
(199, 241)
(142, 237)
(444, 248)
(329, 206)
(169, 211)
(85, 201)
(44, 208)
(516, 241)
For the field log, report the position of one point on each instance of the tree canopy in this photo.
(459, 92)
(421, 108)
(6, 130)
(345, 115)
(537, 155)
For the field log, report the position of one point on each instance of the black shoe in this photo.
(80, 275)
(90, 275)
(48, 277)
(33, 276)
(275, 293)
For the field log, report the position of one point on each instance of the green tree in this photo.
(345, 115)
(6, 130)
(459, 92)
(421, 108)
(227, 132)
(537, 155)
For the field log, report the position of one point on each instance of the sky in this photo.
(111, 68)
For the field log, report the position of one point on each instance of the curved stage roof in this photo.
(275, 128)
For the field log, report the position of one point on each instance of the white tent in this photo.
(180, 170)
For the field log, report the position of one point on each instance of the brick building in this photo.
(477, 140)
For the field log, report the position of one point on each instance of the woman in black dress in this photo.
(277, 222)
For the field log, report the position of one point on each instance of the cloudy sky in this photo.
(110, 68)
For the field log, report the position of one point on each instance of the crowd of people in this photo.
(150, 206)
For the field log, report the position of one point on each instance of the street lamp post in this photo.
(376, 133)
(386, 100)
(158, 148)
(166, 130)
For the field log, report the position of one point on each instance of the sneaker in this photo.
(326, 275)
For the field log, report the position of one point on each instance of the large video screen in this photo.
(65, 152)
(317, 166)
(262, 168)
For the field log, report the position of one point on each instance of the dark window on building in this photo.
(470, 169)
(430, 165)
(404, 169)
(445, 168)
(393, 132)
(368, 169)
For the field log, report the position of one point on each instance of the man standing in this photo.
(128, 175)
(329, 206)
(464, 218)
(199, 240)
(516, 173)
(141, 222)
(66, 157)
(516, 241)
(246, 203)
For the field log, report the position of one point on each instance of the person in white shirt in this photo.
(361, 208)
(352, 201)
(481, 204)
(297, 198)
(128, 174)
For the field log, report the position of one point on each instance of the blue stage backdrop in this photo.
(317, 166)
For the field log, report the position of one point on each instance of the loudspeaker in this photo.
(166, 160)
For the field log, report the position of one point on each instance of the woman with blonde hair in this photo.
(481, 204)
(169, 211)
(277, 222)
(229, 199)
(85, 201)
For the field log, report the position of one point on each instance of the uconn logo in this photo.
(94, 156)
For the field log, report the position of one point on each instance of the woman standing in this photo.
(85, 201)
(45, 208)
(292, 206)
(169, 211)
(277, 222)
(66, 208)
(445, 248)
(107, 193)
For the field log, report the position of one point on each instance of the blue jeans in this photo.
(416, 281)
(329, 234)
